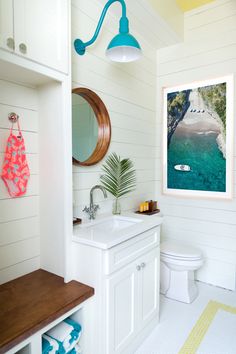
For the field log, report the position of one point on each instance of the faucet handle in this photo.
(86, 209)
(96, 207)
(91, 211)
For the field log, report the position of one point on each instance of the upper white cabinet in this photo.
(6, 25)
(36, 30)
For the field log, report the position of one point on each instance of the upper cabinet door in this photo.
(41, 31)
(6, 25)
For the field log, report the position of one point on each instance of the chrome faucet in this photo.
(92, 209)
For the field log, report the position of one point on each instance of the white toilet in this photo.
(178, 263)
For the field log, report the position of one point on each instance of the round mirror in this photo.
(91, 128)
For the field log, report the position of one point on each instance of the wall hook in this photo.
(13, 117)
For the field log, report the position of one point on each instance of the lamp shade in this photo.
(123, 48)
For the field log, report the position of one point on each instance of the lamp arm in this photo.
(80, 46)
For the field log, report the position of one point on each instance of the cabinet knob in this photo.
(23, 48)
(11, 43)
(138, 267)
(143, 265)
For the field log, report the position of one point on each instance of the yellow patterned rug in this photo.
(214, 332)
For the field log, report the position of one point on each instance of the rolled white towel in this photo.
(61, 331)
(53, 343)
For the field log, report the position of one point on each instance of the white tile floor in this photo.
(177, 320)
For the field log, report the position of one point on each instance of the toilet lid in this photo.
(179, 250)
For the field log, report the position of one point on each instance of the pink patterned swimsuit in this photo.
(15, 171)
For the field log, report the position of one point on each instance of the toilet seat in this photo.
(178, 258)
(175, 263)
(180, 252)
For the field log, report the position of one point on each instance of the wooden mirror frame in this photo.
(104, 126)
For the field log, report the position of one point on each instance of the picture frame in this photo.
(198, 139)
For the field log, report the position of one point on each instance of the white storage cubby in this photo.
(81, 314)
(78, 317)
(24, 350)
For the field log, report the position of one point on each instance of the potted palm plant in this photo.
(119, 178)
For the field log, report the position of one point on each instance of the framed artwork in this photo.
(198, 139)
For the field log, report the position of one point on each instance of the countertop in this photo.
(104, 240)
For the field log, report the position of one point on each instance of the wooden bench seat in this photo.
(29, 303)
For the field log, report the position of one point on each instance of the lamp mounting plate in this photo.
(79, 46)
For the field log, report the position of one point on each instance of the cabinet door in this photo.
(149, 287)
(121, 308)
(41, 31)
(6, 25)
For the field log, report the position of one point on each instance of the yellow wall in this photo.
(187, 5)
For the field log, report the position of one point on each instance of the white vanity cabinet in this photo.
(126, 282)
(132, 300)
(36, 30)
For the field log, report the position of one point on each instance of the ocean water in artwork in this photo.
(196, 139)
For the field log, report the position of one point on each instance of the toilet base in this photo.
(182, 286)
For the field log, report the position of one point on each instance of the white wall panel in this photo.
(19, 217)
(136, 94)
(209, 14)
(19, 251)
(173, 53)
(18, 230)
(124, 107)
(130, 123)
(28, 118)
(18, 95)
(224, 25)
(209, 51)
(207, 58)
(218, 273)
(218, 229)
(19, 269)
(135, 71)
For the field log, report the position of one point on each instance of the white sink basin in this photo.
(111, 224)
(107, 231)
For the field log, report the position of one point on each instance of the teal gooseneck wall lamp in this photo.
(123, 47)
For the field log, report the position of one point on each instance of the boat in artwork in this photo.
(184, 168)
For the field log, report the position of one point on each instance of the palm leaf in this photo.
(119, 175)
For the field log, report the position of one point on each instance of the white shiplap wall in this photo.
(128, 91)
(208, 51)
(19, 217)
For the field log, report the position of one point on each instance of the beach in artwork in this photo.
(197, 139)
